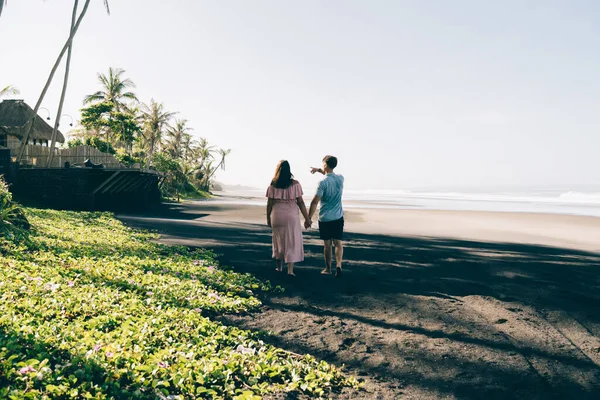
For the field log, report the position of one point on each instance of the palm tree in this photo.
(114, 89)
(155, 120)
(187, 146)
(223, 153)
(202, 152)
(178, 139)
(64, 89)
(9, 90)
(54, 68)
(210, 170)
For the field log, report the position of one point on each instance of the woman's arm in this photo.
(269, 209)
(303, 209)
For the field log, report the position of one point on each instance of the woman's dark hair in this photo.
(283, 178)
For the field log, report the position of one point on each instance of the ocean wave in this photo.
(578, 197)
(386, 196)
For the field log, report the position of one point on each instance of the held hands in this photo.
(307, 223)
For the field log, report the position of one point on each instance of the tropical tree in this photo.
(64, 88)
(114, 90)
(178, 139)
(155, 121)
(9, 90)
(187, 144)
(208, 169)
(54, 68)
(202, 152)
(119, 128)
(165, 144)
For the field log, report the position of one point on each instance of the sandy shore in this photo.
(433, 304)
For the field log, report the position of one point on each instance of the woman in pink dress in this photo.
(284, 201)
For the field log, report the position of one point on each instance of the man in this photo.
(331, 214)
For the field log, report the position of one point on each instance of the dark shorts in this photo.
(332, 229)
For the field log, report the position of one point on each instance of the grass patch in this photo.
(191, 195)
(92, 309)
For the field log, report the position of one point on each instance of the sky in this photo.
(407, 94)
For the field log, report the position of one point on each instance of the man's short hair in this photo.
(331, 161)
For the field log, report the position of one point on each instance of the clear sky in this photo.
(405, 93)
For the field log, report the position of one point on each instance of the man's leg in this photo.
(327, 254)
(279, 264)
(339, 253)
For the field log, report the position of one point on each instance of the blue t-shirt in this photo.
(330, 191)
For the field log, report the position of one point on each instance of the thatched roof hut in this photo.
(15, 116)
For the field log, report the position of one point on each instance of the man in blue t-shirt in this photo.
(331, 214)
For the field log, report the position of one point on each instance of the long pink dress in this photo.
(288, 244)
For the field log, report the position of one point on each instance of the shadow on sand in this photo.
(424, 316)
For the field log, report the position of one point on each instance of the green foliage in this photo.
(127, 159)
(75, 142)
(124, 126)
(175, 182)
(13, 222)
(100, 144)
(93, 309)
(105, 117)
(150, 135)
(93, 141)
(96, 116)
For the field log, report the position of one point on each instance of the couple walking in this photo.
(285, 199)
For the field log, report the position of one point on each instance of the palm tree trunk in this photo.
(64, 89)
(54, 68)
(150, 153)
(211, 174)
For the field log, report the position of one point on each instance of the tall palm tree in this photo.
(210, 170)
(115, 89)
(54, 68)
(9, 90)
(202, 152)
(178, 139)
(223, 153)
(155, 121)
(64, 89)
(187, 145)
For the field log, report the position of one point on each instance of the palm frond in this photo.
(130, 95)
(9, 90)
(127, 83)
(98, 96)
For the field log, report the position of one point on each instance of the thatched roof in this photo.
(15, 116)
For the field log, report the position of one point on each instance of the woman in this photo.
(284, 200)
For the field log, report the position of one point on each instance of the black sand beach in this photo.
(463, 305)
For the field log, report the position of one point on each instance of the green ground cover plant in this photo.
(90, 308)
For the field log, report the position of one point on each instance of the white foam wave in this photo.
(578, 197)
(546, 198)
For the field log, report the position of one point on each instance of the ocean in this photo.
(552, 201)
